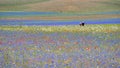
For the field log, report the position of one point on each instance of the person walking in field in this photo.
(82, 24)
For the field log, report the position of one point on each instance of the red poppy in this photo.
(1, 42)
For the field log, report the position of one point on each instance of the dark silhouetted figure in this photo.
(82, 24)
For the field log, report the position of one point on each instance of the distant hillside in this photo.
(18, 2)
(84, 6)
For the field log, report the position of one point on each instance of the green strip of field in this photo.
(76, 28)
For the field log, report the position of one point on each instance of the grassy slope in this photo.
(16, 5)
(83, 6)
(69, 8)
(18, 2)
(88, 28)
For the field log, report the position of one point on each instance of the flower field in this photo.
(89, 46)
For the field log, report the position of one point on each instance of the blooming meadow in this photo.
(89, 46)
